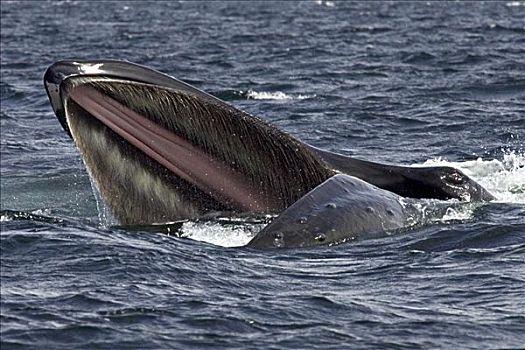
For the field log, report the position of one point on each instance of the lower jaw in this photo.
(137, 189)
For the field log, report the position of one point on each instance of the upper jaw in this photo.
(60, 71)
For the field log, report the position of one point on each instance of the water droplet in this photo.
(390, 212)
(320, 237)
(370, 210)
(331, 205)
(454, 178)
(278, 243)
(278, 239)
(302, 220)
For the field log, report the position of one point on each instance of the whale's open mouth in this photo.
(152, 134)
(161, 150)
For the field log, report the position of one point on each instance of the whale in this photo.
(161, 150)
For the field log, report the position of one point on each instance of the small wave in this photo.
(457, 214)
(10, 92)
(504, 178)
(503, 28)
(421, 57)
(515, 3)
(277, 95)
(231, 95)
(39, 215)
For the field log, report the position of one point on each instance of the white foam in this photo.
(515, 3)
(504, 178)
(214, 233)
(9, 216)
(457, 213)
(277, 95)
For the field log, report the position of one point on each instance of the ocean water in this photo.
(400, 82)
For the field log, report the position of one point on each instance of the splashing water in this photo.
(105, 217)
(505, 178)
(221, 235)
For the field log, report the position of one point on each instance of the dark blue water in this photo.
(409, 83)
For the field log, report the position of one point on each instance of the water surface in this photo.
(405, 83)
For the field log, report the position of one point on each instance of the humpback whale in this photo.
(162, 150)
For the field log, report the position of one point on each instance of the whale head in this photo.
(159, 149)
